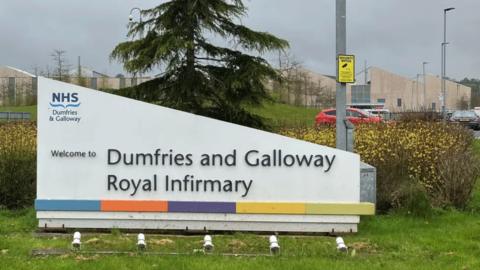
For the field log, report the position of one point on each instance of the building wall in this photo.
(392, 88)
(318, 87)
(17, 88)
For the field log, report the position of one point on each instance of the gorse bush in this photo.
(431, 156)
(17, 164)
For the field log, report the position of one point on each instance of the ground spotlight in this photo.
(274, 247)
(341, 245)
(141, 244)
(76, 243)
(207, 243)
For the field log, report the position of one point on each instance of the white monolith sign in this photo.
(106, 161)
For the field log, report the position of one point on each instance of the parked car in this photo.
(355, 116)
(383, 113)
(477, 111)
(466, 118)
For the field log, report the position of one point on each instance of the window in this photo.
(354, 114)
(399, 102)
(332, 112)
(381, 100)
(360, 93)
(434, 106)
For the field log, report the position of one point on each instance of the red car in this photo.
(355, 116)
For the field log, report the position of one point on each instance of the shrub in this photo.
(17, 164)
(434, 155)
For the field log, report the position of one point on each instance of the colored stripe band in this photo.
(67, 205)
(207, 207)
(201, 207)
(134, 206)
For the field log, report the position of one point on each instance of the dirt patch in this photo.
(236, 245)
(86, 258)
(363, 246)
(162, 242)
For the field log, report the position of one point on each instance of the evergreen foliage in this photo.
(201, 77)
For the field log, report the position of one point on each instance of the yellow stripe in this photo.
(362, 209)
(270, 208)
(306, 208)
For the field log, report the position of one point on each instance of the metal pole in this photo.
(424, 86)
(418, 98)
(141, 32)
(341, 95)
(366, 73)
(444, 61)
(444, 49)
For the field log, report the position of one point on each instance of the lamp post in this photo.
(130, 19)
(444, 60)
(341, 95)
(425, 85)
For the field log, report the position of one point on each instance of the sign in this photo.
(346, 69)
(107, 161)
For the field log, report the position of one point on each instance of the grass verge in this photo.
(446, 240)
(283, 115)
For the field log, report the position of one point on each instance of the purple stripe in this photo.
(202, 207)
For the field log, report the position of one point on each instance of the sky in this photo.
(397, 35)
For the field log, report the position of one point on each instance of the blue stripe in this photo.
(67, 205)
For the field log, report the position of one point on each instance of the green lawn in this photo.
(283, 115)
(276, 114)
(30, 109)
(448, 240)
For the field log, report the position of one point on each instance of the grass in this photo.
(276, 114)
(30, 109)
(283, 115)
(447, 240)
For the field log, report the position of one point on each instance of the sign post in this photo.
(341, 94)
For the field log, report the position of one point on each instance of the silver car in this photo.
(466, 118)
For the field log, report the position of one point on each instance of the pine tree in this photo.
(201, 77)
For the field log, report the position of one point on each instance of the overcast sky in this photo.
(397, 35)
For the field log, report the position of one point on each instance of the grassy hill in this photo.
(276, 114)
(281, 115)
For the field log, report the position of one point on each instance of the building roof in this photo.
(16, 70)
(87, 72)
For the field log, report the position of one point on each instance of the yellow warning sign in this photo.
(346, 69)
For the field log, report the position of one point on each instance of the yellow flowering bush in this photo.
(17, 164)
(434, 156)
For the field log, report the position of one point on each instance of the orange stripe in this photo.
(134, 206)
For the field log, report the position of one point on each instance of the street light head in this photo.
(448, 9)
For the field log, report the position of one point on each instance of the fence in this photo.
(15, 116)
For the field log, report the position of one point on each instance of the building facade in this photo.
(19, 88)
(398, 93)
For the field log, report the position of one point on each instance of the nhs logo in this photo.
(65, 100)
